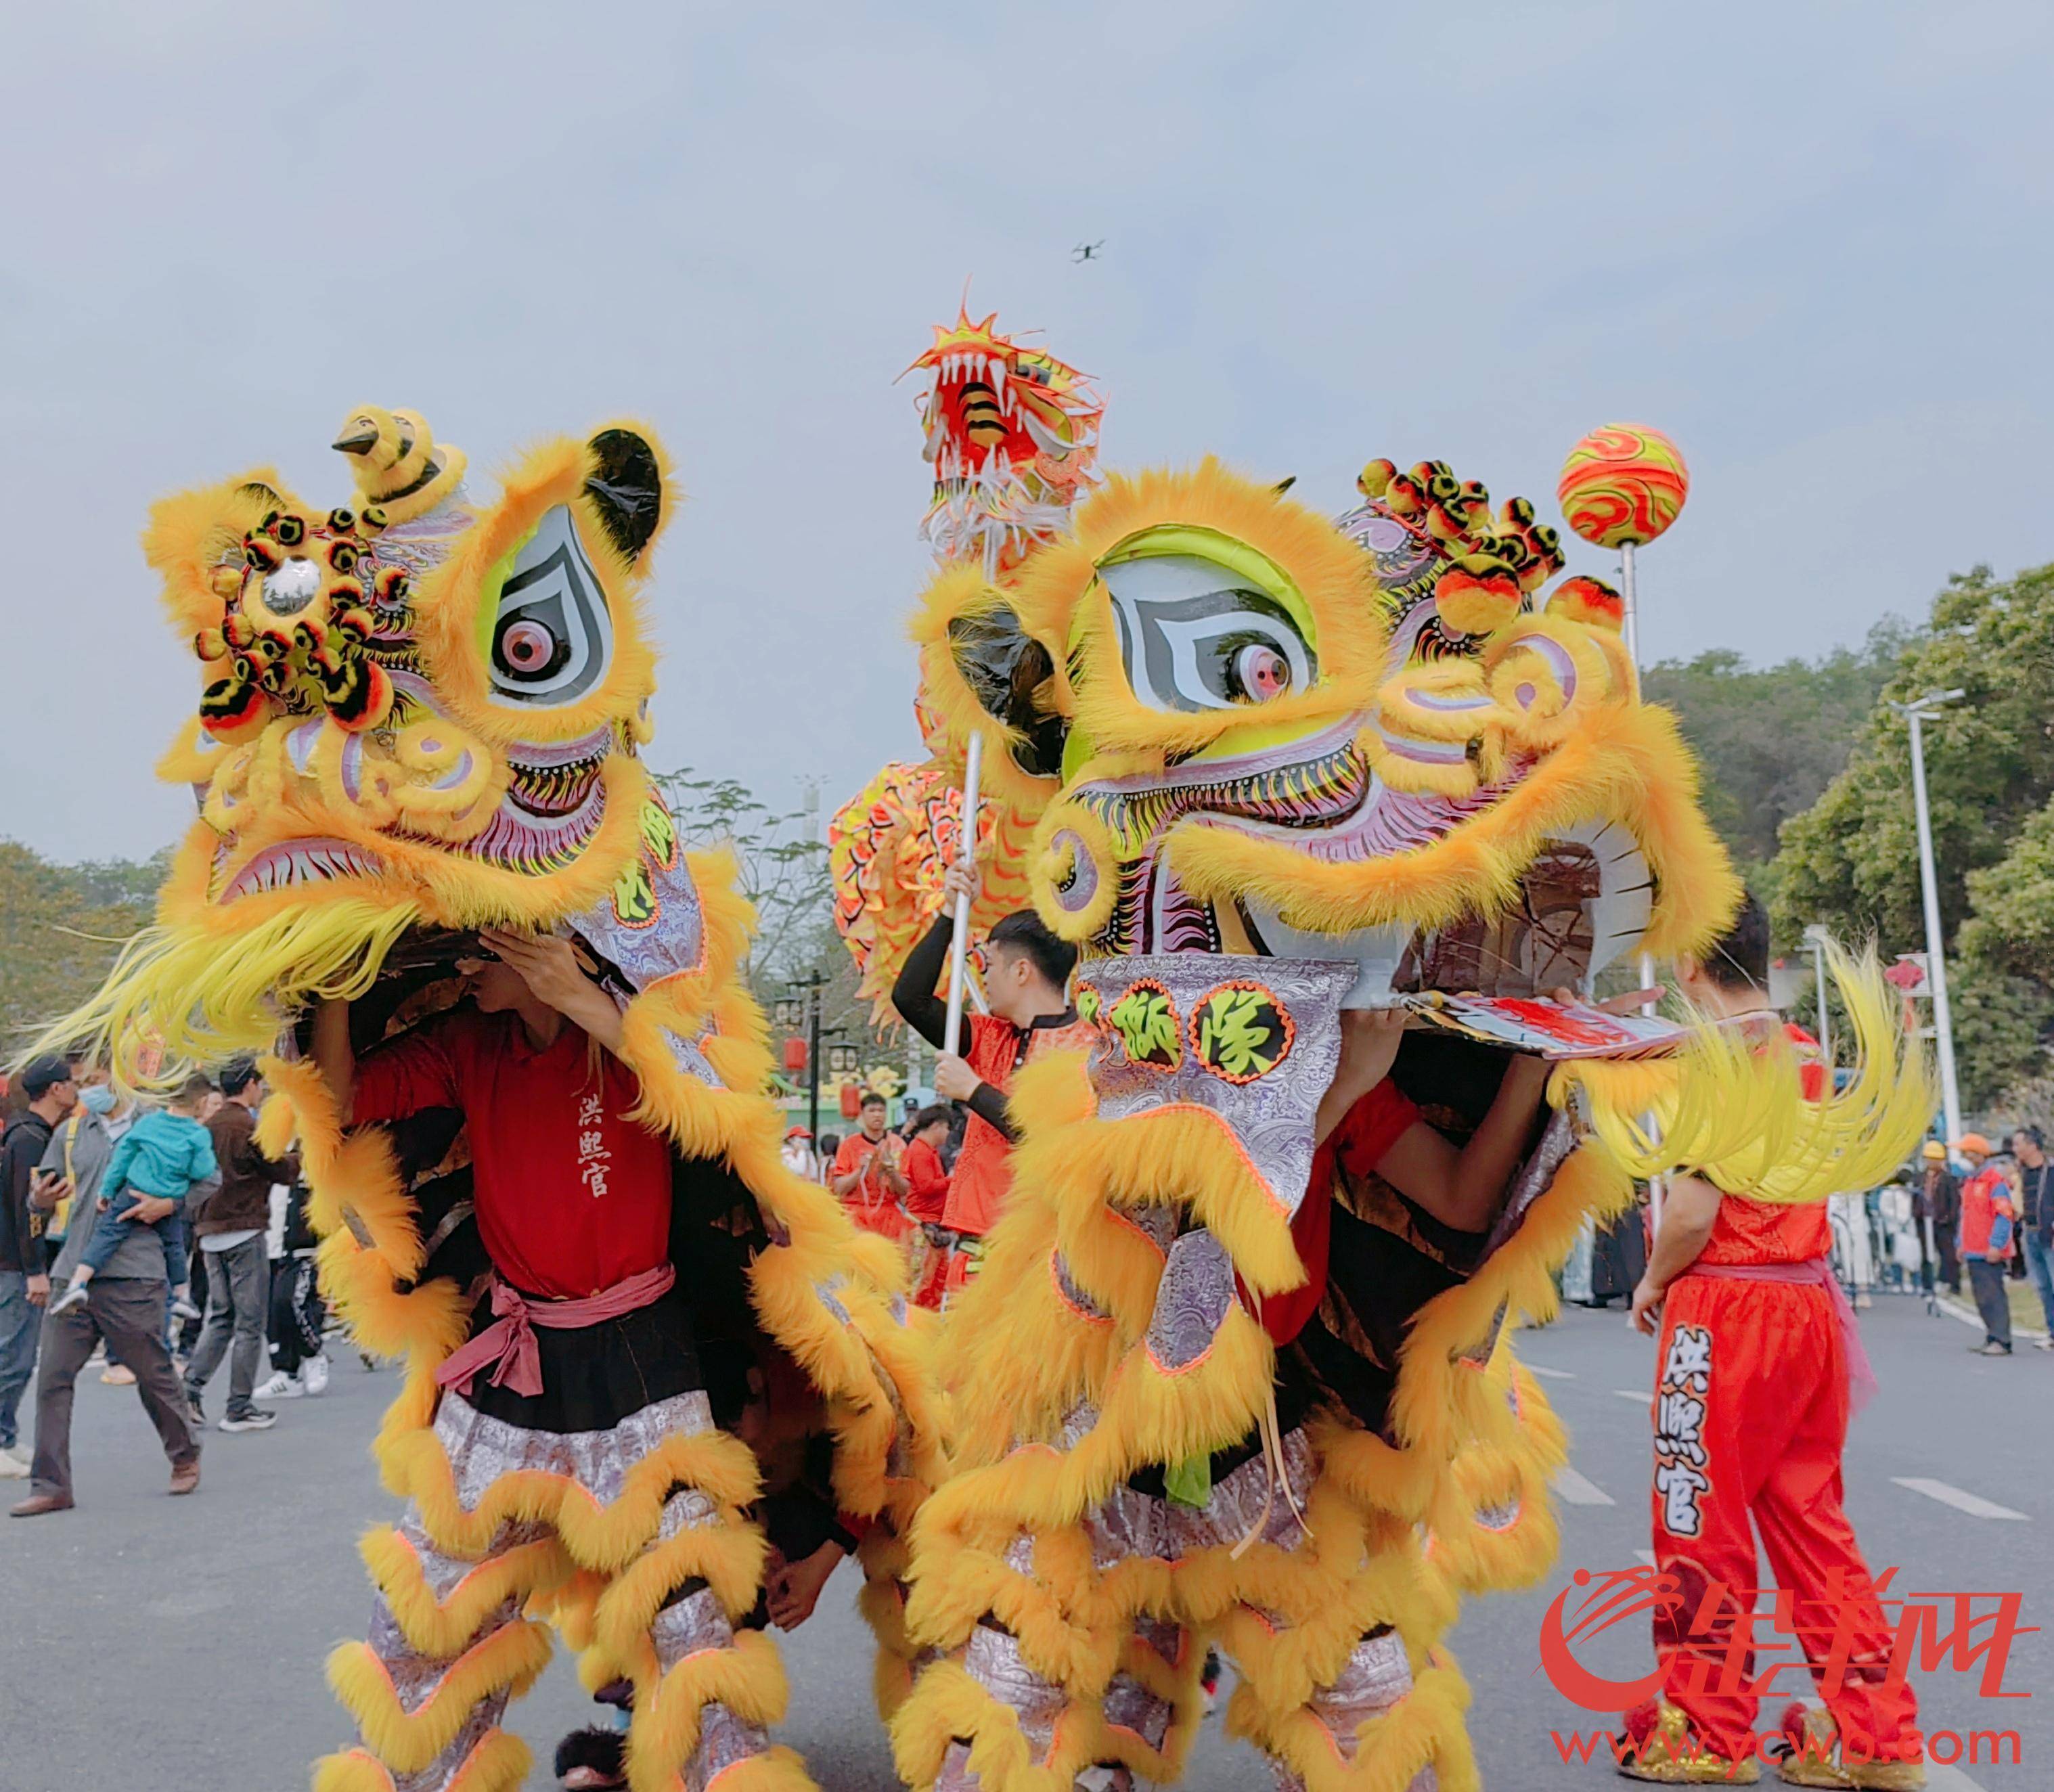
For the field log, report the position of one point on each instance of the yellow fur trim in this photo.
(959, 594)
(440, 1627)
(407, 1741)
(947, 1704)
(747, 1678)
(1735, 1112)
(1425, 1727)
(498, 1763)
(449, 599)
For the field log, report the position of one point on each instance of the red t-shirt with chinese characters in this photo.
(926, 1182)
(1367, 1131)
(572, 1196)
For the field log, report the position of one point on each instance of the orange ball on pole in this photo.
(1622, 485)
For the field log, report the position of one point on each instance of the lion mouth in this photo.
(1583, 902)
(322, 859)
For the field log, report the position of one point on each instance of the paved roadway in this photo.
(177, 1644)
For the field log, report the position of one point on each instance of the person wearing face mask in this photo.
(124, 1308)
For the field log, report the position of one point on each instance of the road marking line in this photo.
(1551, 1374)
(1579, 1490)
(1949, 1779)
(1639, 1396)
(1646, 1556)
(1973, 1504)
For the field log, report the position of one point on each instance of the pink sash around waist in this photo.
(507, 1346)
(1814, 1272)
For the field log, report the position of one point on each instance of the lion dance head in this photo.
(417, 710)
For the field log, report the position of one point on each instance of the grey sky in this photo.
(1809, 240)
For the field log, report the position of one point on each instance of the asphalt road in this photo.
(177, 1644)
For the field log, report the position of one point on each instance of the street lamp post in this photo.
(1816, 937)
(1915, 712)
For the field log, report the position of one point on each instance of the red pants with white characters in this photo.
(1751, 1415)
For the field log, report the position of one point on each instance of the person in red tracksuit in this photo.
(1756, 1367)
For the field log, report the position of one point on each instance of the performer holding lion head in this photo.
(555, 1189)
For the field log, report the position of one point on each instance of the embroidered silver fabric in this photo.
(1126, 1524)
(993, 1659)
(672, 942)
(481, 1449)
(1129, 1705)
(1158, 1634)
(442, 1571)
(699, 1622)
(442, 1772)
(828, 1292)
(724, 1740)
(1533, 1180)
(1157, 1220)
(690, 1059)
(1192, 1301)
(1501, 1517)
(1373, 1678)
(955, 1775)
(687, 1509)
(415, 1676)
(1272, 1117)
(1059, 1265)
(1237, 1503)
(1478, 1353)
(1019, 1554)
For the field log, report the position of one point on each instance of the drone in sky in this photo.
(1088, 251)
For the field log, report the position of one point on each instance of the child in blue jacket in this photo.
(164, 1154)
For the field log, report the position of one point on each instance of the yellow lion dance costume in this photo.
(1279, 765)
(421, 717)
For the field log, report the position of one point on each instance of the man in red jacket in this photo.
(1984, 1242)
(1026, 981)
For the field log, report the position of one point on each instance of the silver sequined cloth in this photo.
(1192, 1301)
(993, 1659)
(1271, 1114)
(481, 1449)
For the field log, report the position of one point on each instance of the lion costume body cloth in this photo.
(421, 718)
(1278, 765)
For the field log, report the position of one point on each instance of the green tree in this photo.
(1771, 738)
(784, 868)
(1852, 859)
(60, 926)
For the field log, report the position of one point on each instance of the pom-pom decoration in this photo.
(1622, 483)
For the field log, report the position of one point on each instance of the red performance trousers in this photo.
(1751, 1416)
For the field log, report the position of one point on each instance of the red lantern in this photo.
(795, 1055)
(852, 1100)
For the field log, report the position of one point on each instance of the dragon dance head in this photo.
(416, 710)
(1245, 728)
(1011, 433)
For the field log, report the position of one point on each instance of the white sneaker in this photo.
(13, 1467)
(314, 1374)
(280, 1386)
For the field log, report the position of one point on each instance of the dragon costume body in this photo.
(421, 717)
(1276, 765)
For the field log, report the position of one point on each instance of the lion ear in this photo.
(982, 671)
(625, 483)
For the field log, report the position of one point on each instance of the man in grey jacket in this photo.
(126, 1307)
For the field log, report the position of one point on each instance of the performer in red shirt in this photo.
(1758, 1368)
(867, 1176)
(1026, 980)
(581, 1357)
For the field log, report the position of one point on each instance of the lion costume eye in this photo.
(553, 638)
(1192, 636)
